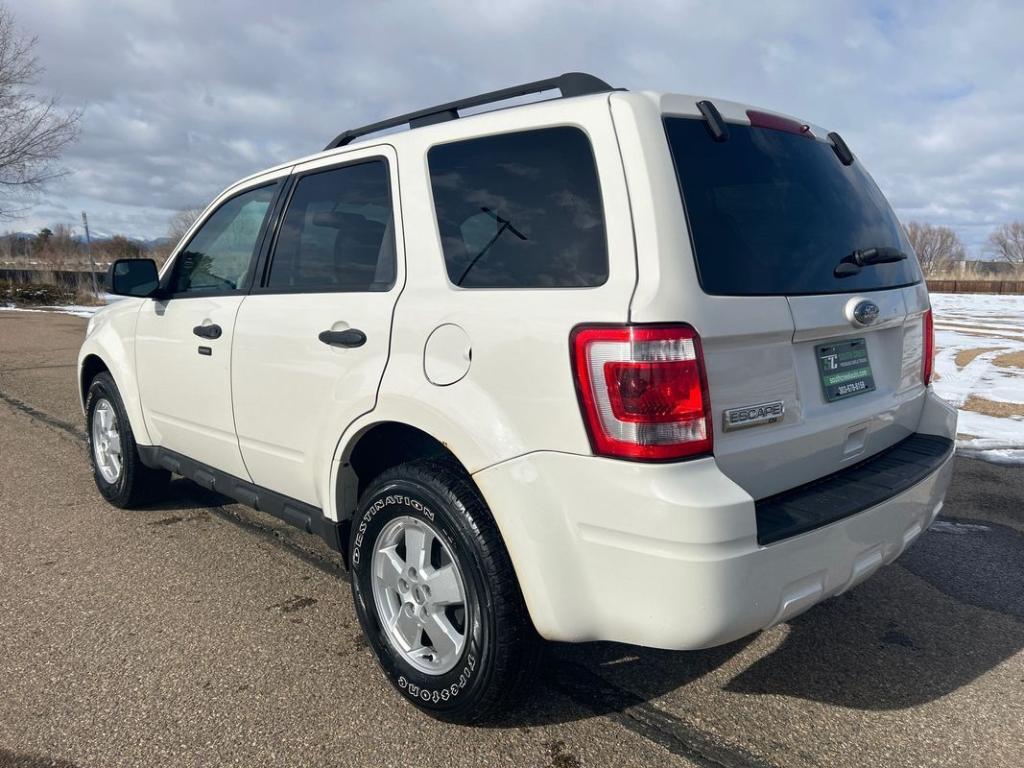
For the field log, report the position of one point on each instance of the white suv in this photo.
(636, 367)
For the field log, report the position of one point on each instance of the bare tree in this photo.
(1007, 243)
(33, 129)
(121, 247)
(936, 247)
(181, 222)
(55, 249)
(177, 226)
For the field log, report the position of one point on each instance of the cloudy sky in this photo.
(181, 98)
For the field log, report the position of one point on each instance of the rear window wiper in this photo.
(851, 264)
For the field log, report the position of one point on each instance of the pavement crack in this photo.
(292, 604)
(38, 367)
(648, 720)
(42, 416)
(173, 519)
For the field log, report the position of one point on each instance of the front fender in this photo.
(110, 337)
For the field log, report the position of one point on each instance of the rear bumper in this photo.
(667, 555)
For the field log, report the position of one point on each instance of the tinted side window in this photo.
(520, 210)
(218, 256)
(337, 233)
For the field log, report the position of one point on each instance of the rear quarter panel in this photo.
(518, 394)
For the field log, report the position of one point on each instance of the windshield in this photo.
(773, 213)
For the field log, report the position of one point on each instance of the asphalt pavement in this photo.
(202, 633)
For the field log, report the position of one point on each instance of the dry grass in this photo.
(1006, 319)
(85, 297)
(991, 336)
(1010, 360)
(965, 356)
(987, 407)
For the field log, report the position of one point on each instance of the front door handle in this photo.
(212, 331)
(351, 337)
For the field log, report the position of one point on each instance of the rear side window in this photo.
(337, 233)
(773, 213)
(520, 210)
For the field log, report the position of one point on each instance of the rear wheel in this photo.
(436, 595)
(119, 473)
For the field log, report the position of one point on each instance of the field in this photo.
(979, 367)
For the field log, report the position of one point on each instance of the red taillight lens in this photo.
(928, 354)
(643, 391)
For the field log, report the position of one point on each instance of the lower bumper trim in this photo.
(851, 490)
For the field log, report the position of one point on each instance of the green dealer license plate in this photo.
(845, 370)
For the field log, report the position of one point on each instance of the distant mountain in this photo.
(99, 239)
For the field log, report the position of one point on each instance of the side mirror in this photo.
(133, 277)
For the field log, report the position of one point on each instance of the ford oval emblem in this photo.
(865, 313)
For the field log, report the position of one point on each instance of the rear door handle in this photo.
(212, 331)
(351, 337)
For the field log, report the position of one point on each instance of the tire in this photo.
(435, 498)
(130, 483)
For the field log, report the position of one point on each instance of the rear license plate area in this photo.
(845, 369)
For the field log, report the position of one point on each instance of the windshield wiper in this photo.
(850, 265)
(504, 225)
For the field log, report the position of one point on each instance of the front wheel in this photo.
(436, 595)
(119, 473)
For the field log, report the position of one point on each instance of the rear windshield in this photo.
(773, 213)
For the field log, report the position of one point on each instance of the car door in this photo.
(183, 337)
(311, 342)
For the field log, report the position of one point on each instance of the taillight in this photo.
(643, 391)
(928, 353)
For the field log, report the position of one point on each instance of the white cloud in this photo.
(183, 98)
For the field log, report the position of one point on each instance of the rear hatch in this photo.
(810, 370)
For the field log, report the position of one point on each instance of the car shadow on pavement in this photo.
(10, 759)
(894, 642)
(951, 610)
(186, 496)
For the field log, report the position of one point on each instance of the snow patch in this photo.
(78, 310)
(973, 321)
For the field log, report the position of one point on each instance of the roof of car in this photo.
(575, 87)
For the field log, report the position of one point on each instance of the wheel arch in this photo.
(91, 367)
(373, 448)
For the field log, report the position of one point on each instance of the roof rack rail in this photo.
(570, 84)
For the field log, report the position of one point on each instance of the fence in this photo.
(67, 278)
(976, 286)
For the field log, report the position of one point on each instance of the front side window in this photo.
(337, 233)
(520, 210)
(218, 257)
